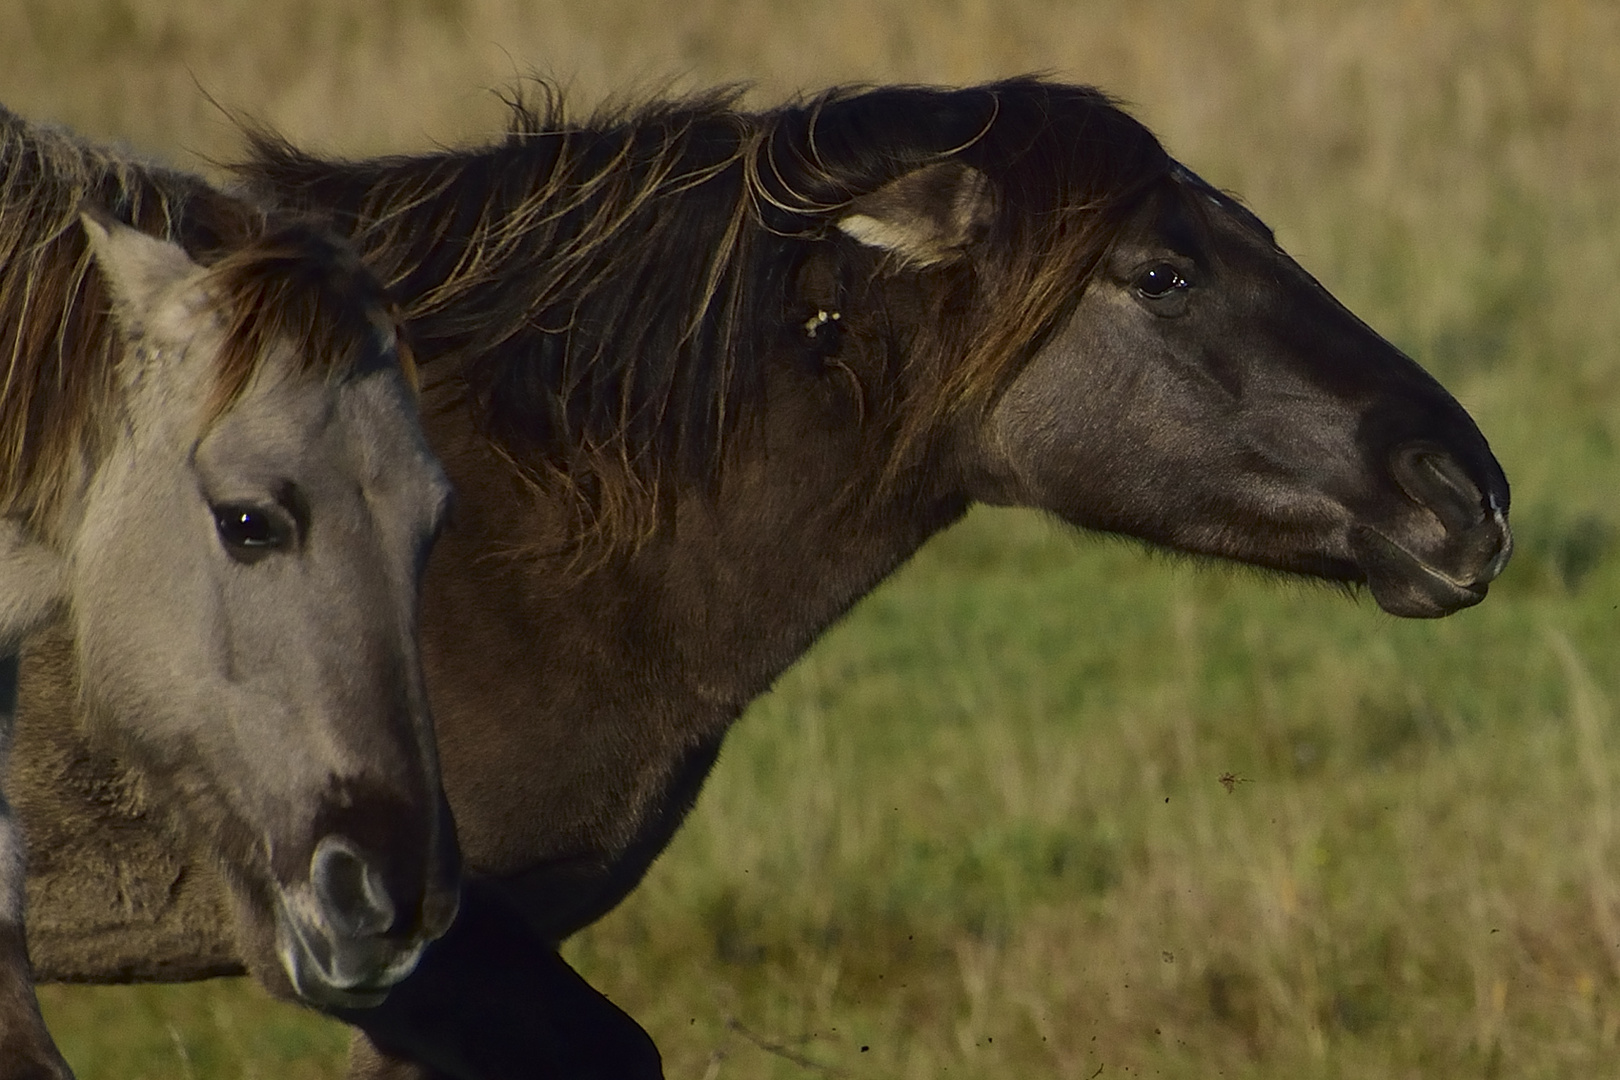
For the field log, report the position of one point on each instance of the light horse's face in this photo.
(243, 591)
(1207, 394)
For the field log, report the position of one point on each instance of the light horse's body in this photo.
(215, 479)
(704, 377)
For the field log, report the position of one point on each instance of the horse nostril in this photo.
(352, 893)
(1436, 480)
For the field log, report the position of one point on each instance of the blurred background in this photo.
(1045, 805)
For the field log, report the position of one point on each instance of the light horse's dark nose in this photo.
(347, 937)
(358, 923)
(351, 892)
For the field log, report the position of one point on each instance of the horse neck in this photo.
(747, 582)
(732, 590)
(597, 701)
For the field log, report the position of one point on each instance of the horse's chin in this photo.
(1413, 587)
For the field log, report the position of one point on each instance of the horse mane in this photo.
(271, 278)
(606, 293)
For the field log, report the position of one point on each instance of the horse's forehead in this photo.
(1195, 219)
(382, 425)
(359, 429)
(279, 414)
(1164, 218)
(1220, 206)
(287, 432)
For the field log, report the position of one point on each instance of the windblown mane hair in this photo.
(273, 280)
(607, 293)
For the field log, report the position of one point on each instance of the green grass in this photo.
(981, 830)
(997, 842)
(223, 1028)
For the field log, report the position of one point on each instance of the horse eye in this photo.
(249, 533)
(1159, 281)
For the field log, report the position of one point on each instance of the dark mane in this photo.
(607, 293)
(273, 280)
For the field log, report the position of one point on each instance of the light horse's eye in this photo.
(1159, 281)
(249, 533)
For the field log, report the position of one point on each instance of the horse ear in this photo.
(930, 215)
(139, 269)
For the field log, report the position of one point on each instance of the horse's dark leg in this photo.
(27, 1051)
(491, 1001)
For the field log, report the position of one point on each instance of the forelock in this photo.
(300, 288)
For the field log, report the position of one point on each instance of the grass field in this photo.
(1045, 805)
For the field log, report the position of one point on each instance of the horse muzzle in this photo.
(339, 934)
(1443, 557)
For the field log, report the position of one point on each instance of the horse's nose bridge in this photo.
(377, 718)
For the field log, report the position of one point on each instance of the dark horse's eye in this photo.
(249, 533)
(1159, 281)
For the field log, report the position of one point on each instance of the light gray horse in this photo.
(215, 478)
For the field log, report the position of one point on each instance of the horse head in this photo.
(241, 576)
(1152, 363)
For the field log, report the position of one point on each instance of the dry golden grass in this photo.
(980, 831)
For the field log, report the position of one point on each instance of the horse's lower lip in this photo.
(352, 998)
(310, 982)
(1408, 585)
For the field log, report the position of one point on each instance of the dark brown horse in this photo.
(704, 377)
